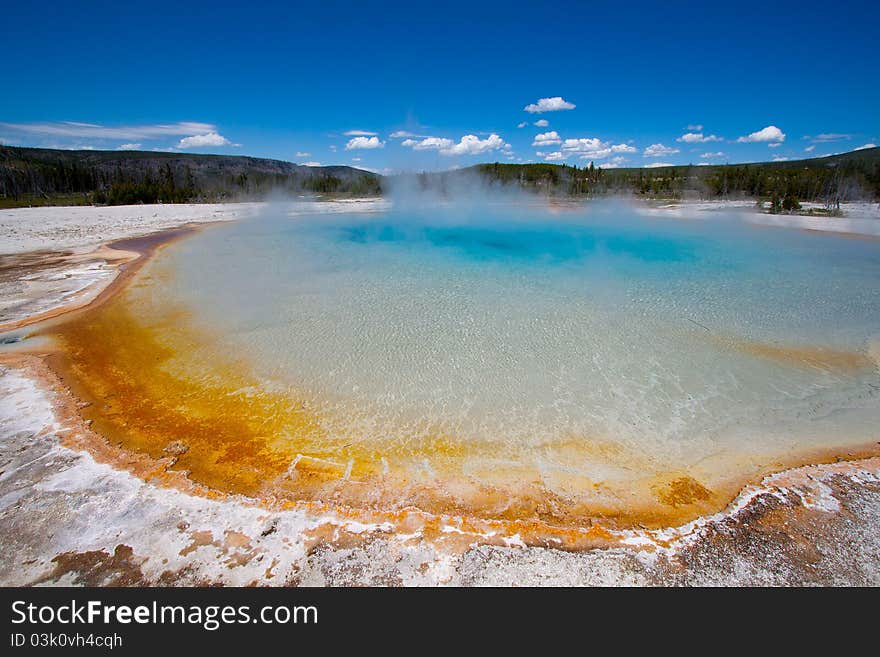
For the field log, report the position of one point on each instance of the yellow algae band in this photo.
(162, 384)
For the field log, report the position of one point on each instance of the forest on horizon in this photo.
(31, 176)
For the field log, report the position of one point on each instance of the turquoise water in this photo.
(683, 341)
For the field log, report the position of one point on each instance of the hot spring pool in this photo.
(501, 361)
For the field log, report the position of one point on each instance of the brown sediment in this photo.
(125, 389)
(683, 491)
(802, 355)
(99, 568)
(839, 233)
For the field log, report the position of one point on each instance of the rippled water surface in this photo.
(669, 342)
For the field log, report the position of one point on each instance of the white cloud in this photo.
(359, 133)
(473, 145)
(72, 147)
(194, 134)
(95, 131)
(656, 165)
(427, 144)
(303, 154)
(356, 159)
(554, 156)
(810, 149)
(696, 127)
(614, 162)
(712, 155)
(779, 158)
(542, 123)
(864, 146)
(770, 133)
(333, 147)
(400, 134)
(554, 104)
(522, 124)
(594, 148)
(776, 145)
(698, 138)
(468, 145)
(365, 143)
(312, 164)
(547, 139)
(128, 147)
(825, 137)
(659, 150)
(200, 141)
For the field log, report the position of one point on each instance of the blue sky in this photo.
(440, 85)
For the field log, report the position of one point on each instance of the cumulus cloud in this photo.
(364, 143)
(656, 165)
(696, 127)
(468, 145)
(780, 158)
(614, 162)
(427, 144)
(553, 156)
(659, 150)
(303, 154)
(547, 139)
(312, 164)
(712, 155)
(128, 147)
(473, 145)
(698, 138)
(200, 141)
(401, 134)
(776, 145)
(864, 146)
(594, 148)
(554, 104)
(359, 133)
(770, 133)
(542, 123)
(522, 124)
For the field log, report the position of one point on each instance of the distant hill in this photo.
(832, 179)
(37, 176)
(45, 176)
